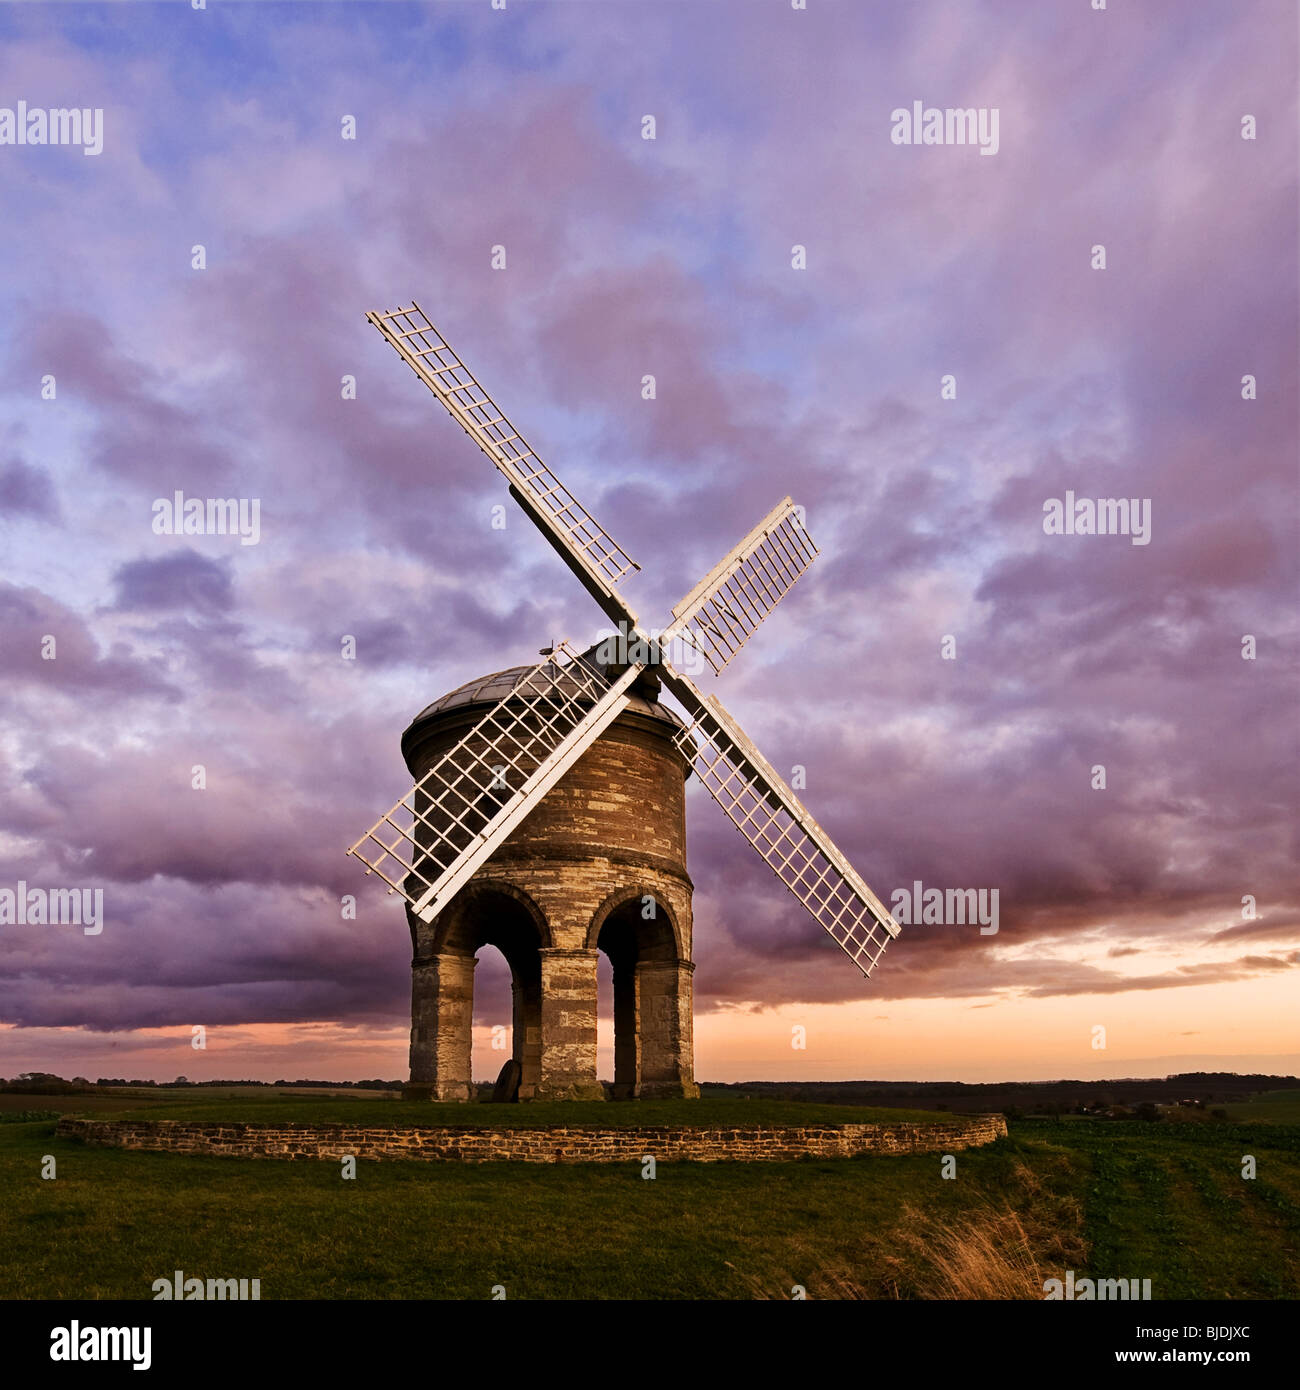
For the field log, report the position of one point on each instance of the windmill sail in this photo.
(429, 845)
(435, 839)
(593, 555)
(756, 800)
(720, 614)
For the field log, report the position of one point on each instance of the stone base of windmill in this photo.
(555, 1029)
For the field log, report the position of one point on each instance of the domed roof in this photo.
(489, 690)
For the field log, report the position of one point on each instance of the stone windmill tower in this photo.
(598, 865)
(547, 815)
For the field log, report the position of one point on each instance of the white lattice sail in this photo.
(598, 560)
(435, 838)
(724, 609)
(756, 800)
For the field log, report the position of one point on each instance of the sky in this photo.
(949, 673)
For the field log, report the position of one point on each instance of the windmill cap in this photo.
(486, 691)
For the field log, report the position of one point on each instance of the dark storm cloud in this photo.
(182, 580)
(27, 491)
(77, 666)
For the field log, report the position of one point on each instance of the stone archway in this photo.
(653, 1049)
(442, 995)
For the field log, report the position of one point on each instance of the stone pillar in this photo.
(663, 990)
(567, 1063)
(526, 1034)
(442, 1012)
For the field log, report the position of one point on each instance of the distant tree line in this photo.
(1129, 1098)
(47, 1083)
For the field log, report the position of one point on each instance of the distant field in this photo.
(121, 1098)
(89, 1105)
(1273, 1107)
(1111, 1199)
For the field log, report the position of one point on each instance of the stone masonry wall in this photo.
(552, 1144)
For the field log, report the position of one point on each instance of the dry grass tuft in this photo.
(1002, 1249)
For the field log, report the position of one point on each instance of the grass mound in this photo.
(283, 1108)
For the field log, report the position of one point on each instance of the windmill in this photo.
(430, 844)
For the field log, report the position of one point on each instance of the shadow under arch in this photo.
(504, 916)
(636, 929)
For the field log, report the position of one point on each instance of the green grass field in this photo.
(1115, 1200)
(256, 1105)
(342, 1110)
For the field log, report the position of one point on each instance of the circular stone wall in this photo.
(548, 1144)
